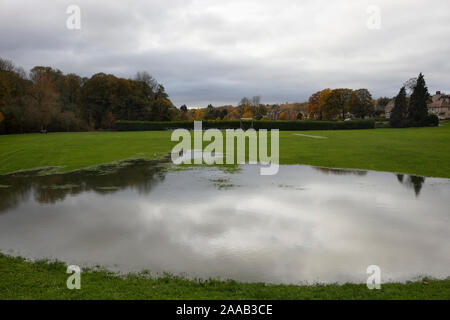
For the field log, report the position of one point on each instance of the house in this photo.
(388, 108)
(440, 105)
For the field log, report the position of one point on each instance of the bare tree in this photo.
(6, 65)
(256, 101)
(144, 76)
(410, 85)
(244, 101)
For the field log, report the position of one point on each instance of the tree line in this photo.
(340, 103)
(46, 99)
(246, 108)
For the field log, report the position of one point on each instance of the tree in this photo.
(345, 95)
(256, 101)
(48, 99)
(418, 102)
(199, 115)
(314, 106)
(44, 95)
(400, 110)
(261, 111)
(323, 100)
(7, 65)
(69, 87)
(382, 102)
(162, 110)
(161, 92)
(97, 98)
(244, 101)
(283, 116)
(335, 104)
(14, 99)
(361, 103)
(211, 113)
(410, 85)
(145, 77)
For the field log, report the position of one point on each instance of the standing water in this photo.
(305, 224)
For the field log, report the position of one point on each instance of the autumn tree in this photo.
(361, 103)
(314, 106)
(97, 98)
(14, 102)
(261, 111)
(323, 101)
(49, 99)
(283, 116)
(44, 97)
(199, 115)
(333, 104)
(162, 109)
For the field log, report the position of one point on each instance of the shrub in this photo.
(290, 125)
(431, 120)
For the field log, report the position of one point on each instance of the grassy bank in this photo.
(420, 151)
(43, 280)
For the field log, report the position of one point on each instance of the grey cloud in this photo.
(216, 52)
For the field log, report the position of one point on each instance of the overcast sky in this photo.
(216, 51)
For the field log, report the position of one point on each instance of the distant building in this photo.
(440, 105)
(388, 108)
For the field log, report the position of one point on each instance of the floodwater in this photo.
(303, 225)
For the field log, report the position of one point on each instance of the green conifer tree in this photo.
(400, 111)
(418, 110)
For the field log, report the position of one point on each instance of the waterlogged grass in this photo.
(420, 151)
(71, 151)
(43, 280)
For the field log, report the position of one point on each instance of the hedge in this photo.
(291, 125)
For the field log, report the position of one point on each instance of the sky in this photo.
(215, 51)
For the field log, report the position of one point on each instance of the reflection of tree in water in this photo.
(141, 175)
(414, 182)
(11, 197)
(341, 172)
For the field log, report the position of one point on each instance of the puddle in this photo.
(305, 224)
(197, 154)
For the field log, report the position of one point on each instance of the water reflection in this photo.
(414, 182)
(341, 172)
(142, 175)
(297, 226)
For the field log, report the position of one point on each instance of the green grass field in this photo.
(43, 280)
(420, 151)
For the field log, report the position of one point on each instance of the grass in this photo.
(420, 151)
(47, 280)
